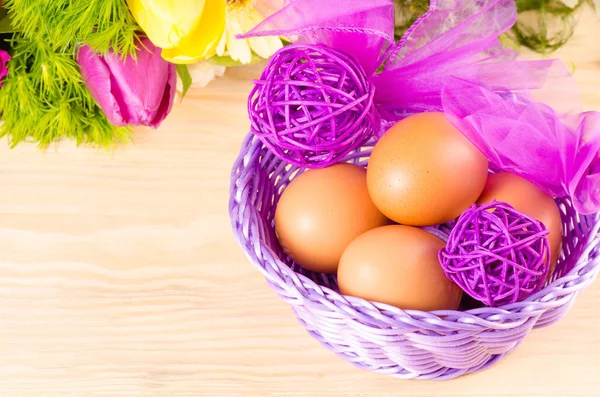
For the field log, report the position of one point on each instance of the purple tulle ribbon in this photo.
(524, 115)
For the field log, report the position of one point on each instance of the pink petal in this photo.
(142, 82)
(102, 86)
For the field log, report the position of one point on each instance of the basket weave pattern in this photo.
(381, 338)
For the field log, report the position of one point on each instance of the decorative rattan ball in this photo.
(496, 254)
(313, 105)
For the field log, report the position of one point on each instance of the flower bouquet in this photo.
(90, 70)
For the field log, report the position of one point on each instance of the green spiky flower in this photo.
(102, 24)
(44, 99)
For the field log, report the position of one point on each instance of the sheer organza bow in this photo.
(524, 115)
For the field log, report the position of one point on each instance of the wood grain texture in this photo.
(119, 276)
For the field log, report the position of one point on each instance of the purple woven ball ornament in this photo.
(496, 254)
(313, 105)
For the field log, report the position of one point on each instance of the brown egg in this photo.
(528, 199)
(423, 171)
(321, 212)
(398, 265)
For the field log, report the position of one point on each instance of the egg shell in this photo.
(528, 199)
(424, 172)
(398, 265)
(321, 212)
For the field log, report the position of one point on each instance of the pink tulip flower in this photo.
(4, 58)
(130, 91)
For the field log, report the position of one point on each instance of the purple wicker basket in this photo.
(381, 338)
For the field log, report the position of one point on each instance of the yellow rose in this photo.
(187, 30)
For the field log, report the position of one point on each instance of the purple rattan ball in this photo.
(313, 105)
(496, 254)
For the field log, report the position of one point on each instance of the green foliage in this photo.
(227, 61)
(186, 78)
(407, 12)
(102, 24)
(5, 22)
(542, 25)
(45, 99)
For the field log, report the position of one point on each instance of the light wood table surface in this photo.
(119, 276)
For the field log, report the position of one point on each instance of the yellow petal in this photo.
(202, 42)
(222, 43)
(266, 46)
(239, 49)
(167, 22)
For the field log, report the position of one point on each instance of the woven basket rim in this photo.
(579, 277)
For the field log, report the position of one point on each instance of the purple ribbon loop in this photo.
(524, 115)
